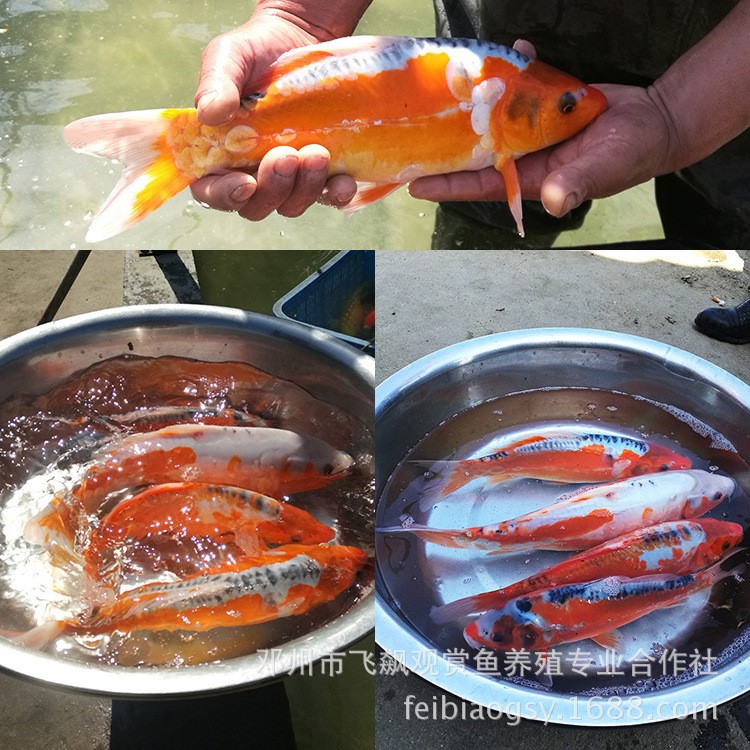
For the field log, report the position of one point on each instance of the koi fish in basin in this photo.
(592, 515)
(563, 456)
(203, 510)
(576, 611)
(675, 548)
(388, 109)
(263, 459)
(290, 580)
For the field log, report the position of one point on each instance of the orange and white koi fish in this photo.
(576, 611)
(592, 515)
(389, 109)
(674, 547)
(288, 581)
(192, 509)
(262, 459)
(565, 456)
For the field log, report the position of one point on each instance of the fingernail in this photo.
(315, 163)
(242, 193)
(206, 99)
(571, 202)
(286, 166)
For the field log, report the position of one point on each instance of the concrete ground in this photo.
(428, 300)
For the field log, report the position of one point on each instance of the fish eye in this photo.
(523, 605)
(328, 469)
(497, 637)
(725, 545)
(664, 467)
(567, 103)
(718, 495)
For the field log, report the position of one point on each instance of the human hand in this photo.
(287, 180)
(628, 144)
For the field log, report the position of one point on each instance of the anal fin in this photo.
(368, 193)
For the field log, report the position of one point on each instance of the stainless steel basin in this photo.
(33, 361)
(420, 398)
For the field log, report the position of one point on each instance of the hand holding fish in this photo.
(643, 134)
(605, 158)
(287, 180)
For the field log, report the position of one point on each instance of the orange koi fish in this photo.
(592, 515)
(389, 109)
(565, 456)
(287, 581)
(574, 612)
(262, 459)
(675, 548)
(191, 509)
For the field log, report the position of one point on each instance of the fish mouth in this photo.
(597, 99)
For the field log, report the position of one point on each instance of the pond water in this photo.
(65, 59)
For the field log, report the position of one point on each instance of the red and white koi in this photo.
(674, 547)
(388, 109)
(592, 515)
(288, 581)
(202, 510)
(565, 456)
(263, 459)
(576, 611)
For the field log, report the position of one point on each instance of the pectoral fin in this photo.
(507, 168)
(611, 639)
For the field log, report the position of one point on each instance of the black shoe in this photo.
(731, 324)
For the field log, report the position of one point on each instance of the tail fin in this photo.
(469, 605)
(443, 537)
(38, 637)
(458, 473)
(138, 140)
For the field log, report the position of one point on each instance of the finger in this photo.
(483, 185)
(276, 177)
(594, 174)
(224, 69)
(339, 190)
(226, 192)
(310, 180)
(525, 48)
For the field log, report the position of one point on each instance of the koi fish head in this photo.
(657, 458)
(508, 629)
(545, 107)
(721, 536)
(710, 490)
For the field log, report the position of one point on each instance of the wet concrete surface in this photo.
(427, 301)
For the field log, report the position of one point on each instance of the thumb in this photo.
(594, 174)
(224, 70)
